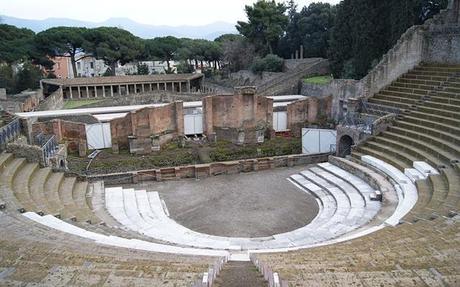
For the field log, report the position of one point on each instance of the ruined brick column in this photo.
(179, 105)
(207, 116)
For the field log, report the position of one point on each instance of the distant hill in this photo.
(209, 32)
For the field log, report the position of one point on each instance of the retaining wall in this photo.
(207, 170)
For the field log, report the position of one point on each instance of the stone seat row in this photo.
(371, 259)
(342, 209)
(46, 192)
(34, 253)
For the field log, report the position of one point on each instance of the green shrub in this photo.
(271, 63)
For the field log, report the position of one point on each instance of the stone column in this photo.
(172, 87)
(79, 92)
(188, 86)
(180, 87)
(87, 92)
(71, 92)
(127, 90)
(103, 91)
(143, 88)
(151, 87)
(119, 90)
(158, 86)
(111, 91)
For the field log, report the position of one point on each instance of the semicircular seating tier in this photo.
(424, 145)
(66, 235)
(343, 199)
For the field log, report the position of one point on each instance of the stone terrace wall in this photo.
(74, 134)
(142, 124)
(55, 101)
(289, 82)
(27, 101)
(33, 154)
(207, 170)
(147, 98)
(444, 45)
(436, 41)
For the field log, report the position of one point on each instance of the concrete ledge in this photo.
(206, 170)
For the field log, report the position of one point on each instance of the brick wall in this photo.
(308, 111)
(74, 134)
(207, 170)
(137, 127)
(244, 113)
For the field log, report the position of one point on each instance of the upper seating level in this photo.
(35, 252)
(423, 250)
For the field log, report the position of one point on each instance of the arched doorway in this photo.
(345, 144)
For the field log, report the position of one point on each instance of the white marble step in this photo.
(58, 224)
(364, 189)
(405, 189)
(144, 212)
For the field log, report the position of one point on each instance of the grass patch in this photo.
(318, 80)
(173, 155)
(73, 104)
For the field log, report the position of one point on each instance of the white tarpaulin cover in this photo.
(318, 141)
(193, 124)
(280, 121)
(99, 136)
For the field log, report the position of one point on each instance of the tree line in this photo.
(353, 35)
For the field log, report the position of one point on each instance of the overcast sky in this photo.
(156, 12)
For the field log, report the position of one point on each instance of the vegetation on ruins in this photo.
(16, 44)
(174, 155)
(266, 24)
(238, 53)
(353, 35)
(142, 69)
(114, 45)
(318, 80)
(310, 28)
(365, 30)
(63, 42)
(270, 63)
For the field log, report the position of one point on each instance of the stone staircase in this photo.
(43, 191)
(422, 250)
(427, 130)
(240, 274)
(36, 254)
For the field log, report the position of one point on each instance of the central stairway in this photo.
(240, 274)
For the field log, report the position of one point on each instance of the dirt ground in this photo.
(253, 204)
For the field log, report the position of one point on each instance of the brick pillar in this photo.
(313, 109)
(208, 127)
(179, 105)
